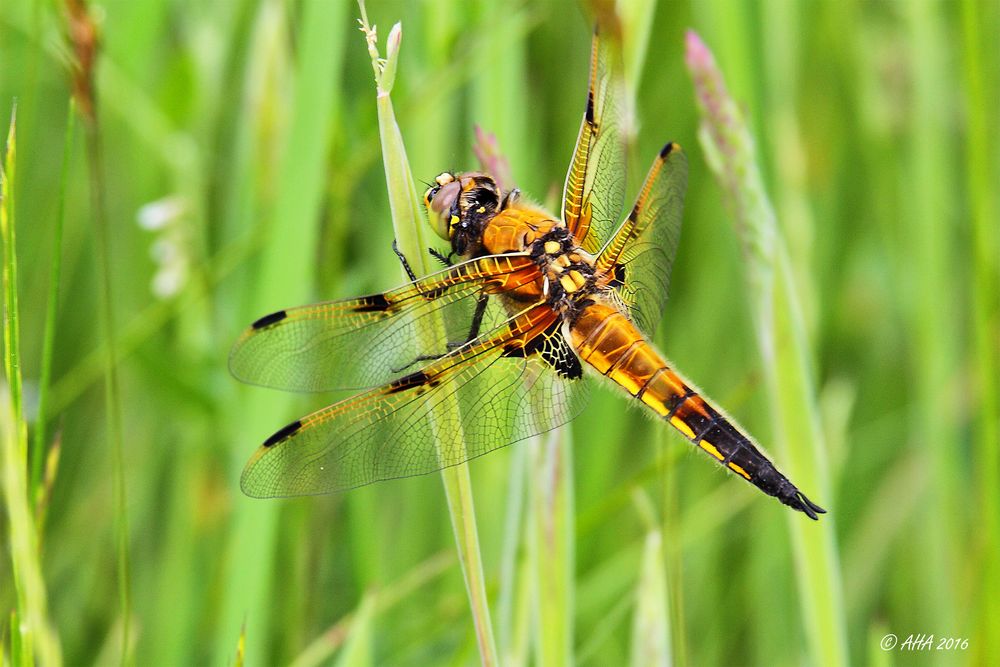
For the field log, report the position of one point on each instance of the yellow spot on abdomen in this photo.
(655, 402)
(735, 468)
(679, 424)
(710, 448)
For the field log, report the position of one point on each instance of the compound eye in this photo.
(430, 194)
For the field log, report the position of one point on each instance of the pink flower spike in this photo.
(696, 54)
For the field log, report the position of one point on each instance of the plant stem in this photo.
(409, 230)
(32, 630)
(929, 212)
(981, 171)
(38, 444)
(781, 337)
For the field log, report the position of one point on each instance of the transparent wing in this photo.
(496, 390)
(638, 258)
(595, 185)
(371, 340)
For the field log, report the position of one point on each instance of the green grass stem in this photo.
(651, 636)
(409, 228)
(334, 637)
(550, 546)
(982, 173)
(33, 640)
(32, 637)
(112, 391)
(11, 316)
(284, 275)
(39, 446)
(781, 336)
(931, 273)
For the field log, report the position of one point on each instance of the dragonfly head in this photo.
(459, 204)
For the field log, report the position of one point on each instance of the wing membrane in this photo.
(639, 257)
(595, 184)
(371, 340)
(491, 392)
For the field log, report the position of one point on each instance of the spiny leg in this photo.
(477, 317)
(444, 259)
(441, 257)
(403, 261)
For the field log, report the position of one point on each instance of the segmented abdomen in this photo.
(606, 339)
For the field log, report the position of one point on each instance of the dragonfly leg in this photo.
(477, 318)
(444, 259)
(403, 261)
(441, 257)
(511, 197)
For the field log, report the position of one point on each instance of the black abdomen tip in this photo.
(799, 502)
(268, 320)
(283, 434)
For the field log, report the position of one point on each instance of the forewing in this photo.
(369, 341)
(491, 392)
(595, 184)
(638, 259)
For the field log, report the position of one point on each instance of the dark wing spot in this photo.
(590, 108)
(634, 214)
(268, 320)
(515, 351)
(283, 433)
(411, 381)
(553, 349)
(373, 304)
(564, 360)
(618, 277)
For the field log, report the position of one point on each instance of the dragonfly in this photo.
(495, 347)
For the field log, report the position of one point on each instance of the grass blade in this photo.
(83, 37)
(729, 149)
(651, 634)
(285, 274)
(31, 634)
(38, 444)
(409, 230)
(551, 522)
(931, 273)
(334, 637)
(981, 167)
(357, 650)
(11, 312)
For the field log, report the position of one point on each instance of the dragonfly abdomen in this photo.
(606, 339)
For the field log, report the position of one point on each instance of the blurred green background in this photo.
(242, 173)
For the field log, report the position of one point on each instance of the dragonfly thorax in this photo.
(567, 269)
